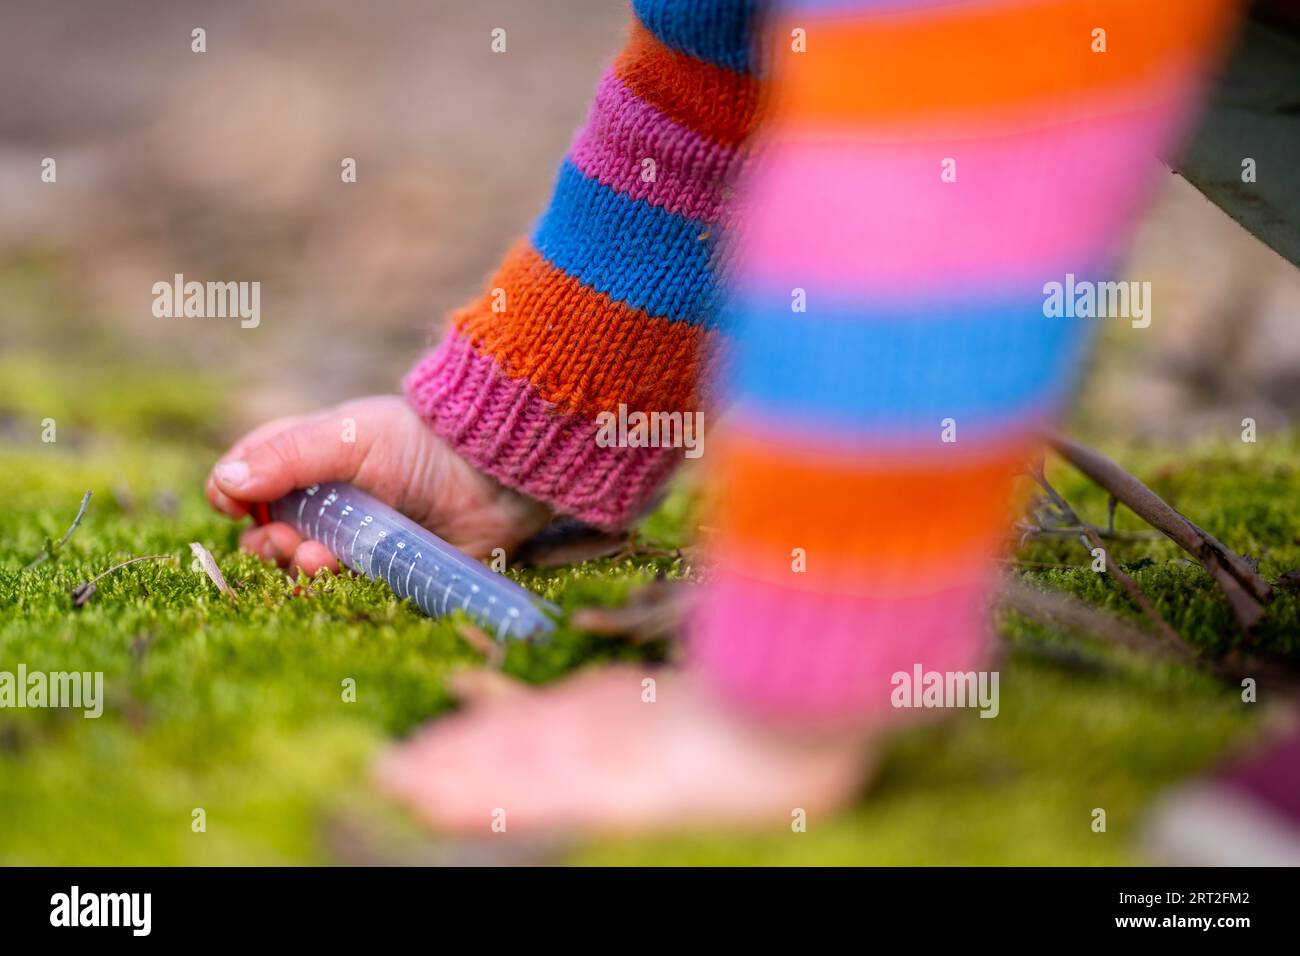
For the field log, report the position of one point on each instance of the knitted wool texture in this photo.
(924, 167)
(611, 300)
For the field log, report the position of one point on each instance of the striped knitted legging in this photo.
(915, 173)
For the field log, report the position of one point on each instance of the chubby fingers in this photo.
(219, 500)
(280, 543)
(276, 542)
(310, 558)
(262, 468)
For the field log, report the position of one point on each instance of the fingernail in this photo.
(232, 473)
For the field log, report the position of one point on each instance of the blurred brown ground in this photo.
(225, 166)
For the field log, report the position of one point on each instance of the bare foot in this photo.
(590, 754)
(395, 457)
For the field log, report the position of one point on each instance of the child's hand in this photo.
(394, 457)
(591, 754)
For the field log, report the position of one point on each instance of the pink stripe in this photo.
(623, 131)
(783, 653)
(867, 216)
(503, 427)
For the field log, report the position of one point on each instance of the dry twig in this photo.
(84, 591)
(1247, 592)
(1163, 628)
(1090, 535)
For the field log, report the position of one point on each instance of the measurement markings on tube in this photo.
(489, 598)
(389, 573)
(347, 510)
(407, 587)
(365, 523)
(373, 548)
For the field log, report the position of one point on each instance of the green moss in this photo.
(238, 709)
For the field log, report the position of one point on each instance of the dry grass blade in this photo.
(209, 565)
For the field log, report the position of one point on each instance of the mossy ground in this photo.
(238, 709)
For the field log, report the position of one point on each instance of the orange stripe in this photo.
(581, 349)
(892, 515)
(912, 67)
(715, 102)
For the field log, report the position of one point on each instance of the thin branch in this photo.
(1090, 536)
(1062, 505)
(1166, 632)
(1076, 526)
(84, 591)
(143, 557)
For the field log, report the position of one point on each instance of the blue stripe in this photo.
(900, 370)
(716, 31)
(642, 255)
(868, 7)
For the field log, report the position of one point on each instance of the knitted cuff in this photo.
(503, 427)
(607, 308)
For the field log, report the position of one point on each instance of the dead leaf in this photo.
(209, 565)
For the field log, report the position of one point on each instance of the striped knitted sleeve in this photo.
(609, 302)
(928, 170)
